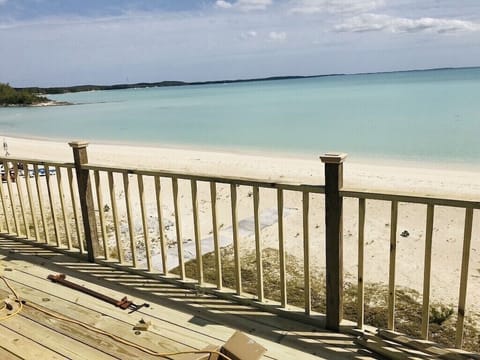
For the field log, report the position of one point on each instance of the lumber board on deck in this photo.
(24, 347)
(7, 355)
(178, 316)
(32, 325)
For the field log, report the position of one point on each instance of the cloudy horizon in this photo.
(63, 43)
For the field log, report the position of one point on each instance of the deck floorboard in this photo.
(181, 319)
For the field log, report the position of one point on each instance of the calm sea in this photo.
(422, 115)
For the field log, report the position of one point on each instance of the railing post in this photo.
(80, 158)
(334, 238)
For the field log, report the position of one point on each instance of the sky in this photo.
(68, 42)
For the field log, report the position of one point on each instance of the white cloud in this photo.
(248, 34)
(223, 4)
(244, 5)
(378, 22)
(334, 6)
(277, 36)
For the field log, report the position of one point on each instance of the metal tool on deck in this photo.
(124, 303)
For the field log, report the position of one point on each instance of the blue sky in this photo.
(66, 42)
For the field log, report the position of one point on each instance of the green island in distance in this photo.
(34, 96)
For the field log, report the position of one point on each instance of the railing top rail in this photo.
(410, 198)
(37, 161)
(313, 188)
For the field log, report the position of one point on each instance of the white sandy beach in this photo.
(428, 179)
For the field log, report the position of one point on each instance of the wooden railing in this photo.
(93, 210)
(431, 202)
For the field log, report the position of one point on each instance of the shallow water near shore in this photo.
(430, 116)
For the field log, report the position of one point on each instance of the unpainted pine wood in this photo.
(242, 181)
(131, 229)
(281, 249)
(75, 210)
(216, 240)
(427, 271)
(186, 329)
(12, 200)
(161, 232)
(61, 195)
(4, 207)
(24, 347)
(101, 213)
(236, 240)
(258, 243)
(52, 204)
(146, 240)
(7, 355)
(392, 265)
(20, 195)
(41, 205)
(178, 227)
(467, 237)
(31, 202)
(116, 223)
(196, 230)
(361, 263)
(42, 329)
(170, 328)
(306, 253)
(410, 198)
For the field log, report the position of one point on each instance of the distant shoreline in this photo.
(170, 83)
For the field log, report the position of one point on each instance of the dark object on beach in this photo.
(13, 176)
(404, 233)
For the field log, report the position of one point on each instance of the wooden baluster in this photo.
(75, 211)
(467, 237)
(68, 235)
(216, 240)
(12, 200)
(178, 227)
(101, 213)
(391, 274)
(235, 239)
(361, 251)
(52, 204)
(21, 200)
(196, 230)
(116, 223)
(131, 225)
(141, 192)
(427, 271)
(30, 201)
(306, 254)
(4, 206)
(258, 244)
(158, 193)
(281, 250)
(41, 204)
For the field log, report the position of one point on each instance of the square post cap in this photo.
(333, 158)
(79, 144)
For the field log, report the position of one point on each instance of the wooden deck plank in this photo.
(7, 355)
(24, 347)
(96, 313)
(29, 324)
(178, 315)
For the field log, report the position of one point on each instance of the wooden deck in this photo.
(181, 320)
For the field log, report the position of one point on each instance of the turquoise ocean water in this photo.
(421, 115)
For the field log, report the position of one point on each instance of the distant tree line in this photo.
(11, 96)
